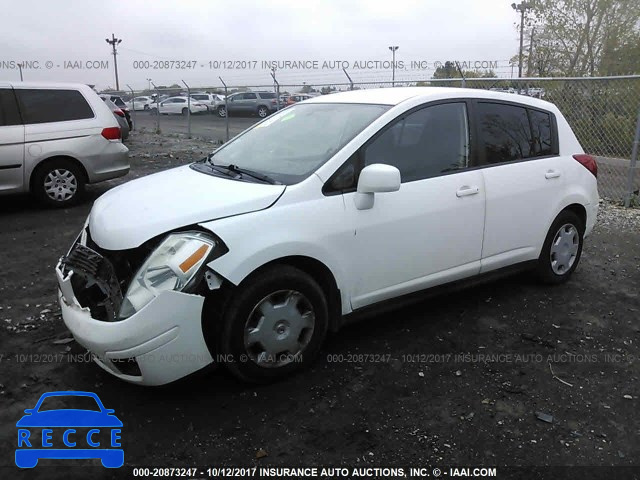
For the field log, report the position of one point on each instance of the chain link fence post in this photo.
(226, 110)
(133, 107)
(157, 108)
(632, 164)
(188, 109)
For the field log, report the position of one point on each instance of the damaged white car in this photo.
(250, 256)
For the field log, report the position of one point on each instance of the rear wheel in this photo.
(222, 112)
(274, 324)
(185, 111)
(562, 248)
(58, 183)
(263, 111)
(146, 107)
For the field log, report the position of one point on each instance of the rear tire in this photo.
(58, 183)
(185, 111)
(273, 325)
(263, 111)
(562, 249)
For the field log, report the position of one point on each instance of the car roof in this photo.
(57, 85)
(398, 95)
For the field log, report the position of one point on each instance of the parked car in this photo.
(180, 106)
(139, 103)
(55, 138)
(211, 100)
(252, 103)
(121, 104)
(379, 195)
(120, 117)
(298, 97)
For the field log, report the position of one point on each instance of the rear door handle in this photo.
(551, 174)
(466, 191)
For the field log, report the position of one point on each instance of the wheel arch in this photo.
(45, 161)
(320, 273)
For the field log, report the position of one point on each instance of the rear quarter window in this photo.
(44, 106)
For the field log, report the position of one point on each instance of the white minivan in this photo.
(54, 139)
(252, 254)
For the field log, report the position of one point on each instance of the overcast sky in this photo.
(242, 30)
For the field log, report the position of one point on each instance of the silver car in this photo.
(119, 116)
(54, 139)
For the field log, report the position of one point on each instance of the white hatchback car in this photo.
(180, 106)
(264, 246)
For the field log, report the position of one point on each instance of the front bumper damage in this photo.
(159, 344)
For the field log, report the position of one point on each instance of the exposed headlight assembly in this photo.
(171, 266)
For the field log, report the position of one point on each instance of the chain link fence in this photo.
(603, 112)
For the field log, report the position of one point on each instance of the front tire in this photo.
(274, 324)
(562, 249)
(222, 112)
(58, 183)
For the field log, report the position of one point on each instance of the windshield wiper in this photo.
(245, 171)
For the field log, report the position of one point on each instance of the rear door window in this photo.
(44, 106)
(504, 131)
(9, 114)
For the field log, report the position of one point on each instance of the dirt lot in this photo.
(456, 380)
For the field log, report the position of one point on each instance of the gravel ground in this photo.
(507, 373)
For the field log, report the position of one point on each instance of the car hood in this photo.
(130, 214)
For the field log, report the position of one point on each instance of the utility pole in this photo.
(20, 65)
(393, 65)
(113, 42)
(533, 30)
(522, 8)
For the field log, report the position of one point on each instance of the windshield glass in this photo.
(293, 143)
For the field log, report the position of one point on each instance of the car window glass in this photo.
(66, 402)
(41, 106)
(267, 95)
(250, 96)
(9, 114)
(541, 131)
(425, 143)
(504, 131)
(180, 100)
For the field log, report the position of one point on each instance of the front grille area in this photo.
(94, 282)
(101, 276)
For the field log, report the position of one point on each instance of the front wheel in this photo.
(222, 112)
(562, 249)
(274, 324)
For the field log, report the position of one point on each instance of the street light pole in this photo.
(522, 8)
(113, 42)
(393, 65)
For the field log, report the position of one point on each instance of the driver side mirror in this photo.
(376, 178)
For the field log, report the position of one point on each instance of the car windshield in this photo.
(293, 143)
(67, 402)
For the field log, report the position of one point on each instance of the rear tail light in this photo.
(111, 133)
(588, 162)
(119, 112)
(273, 102)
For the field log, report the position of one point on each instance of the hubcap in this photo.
(262, 112)
(222, 112)
(564, 249)
(279, 328)
(60, 185)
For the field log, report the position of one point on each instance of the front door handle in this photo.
(551, 174)
(466, 191)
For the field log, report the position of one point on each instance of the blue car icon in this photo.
(69, 425)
